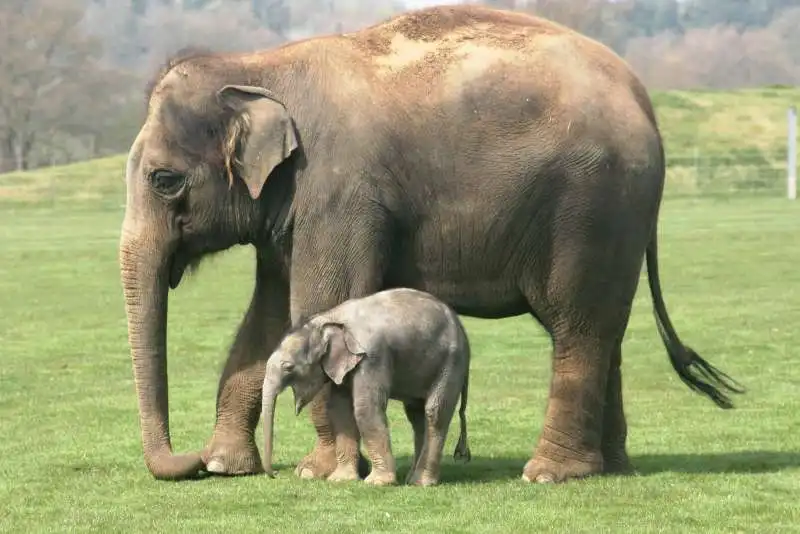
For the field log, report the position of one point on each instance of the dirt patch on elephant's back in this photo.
(453, 24)
(436, 23)
(372, 44)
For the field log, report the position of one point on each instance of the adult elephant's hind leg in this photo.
(585, 308)
(615, 428)
(570, 443)
(232, 449)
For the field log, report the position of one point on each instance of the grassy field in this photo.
(70, 456)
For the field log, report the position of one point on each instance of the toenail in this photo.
(306, 473)
(215, 466)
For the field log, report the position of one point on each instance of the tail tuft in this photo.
(695, 372)
(698, 374)
(462, 452)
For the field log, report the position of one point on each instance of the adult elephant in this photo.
(502, 162)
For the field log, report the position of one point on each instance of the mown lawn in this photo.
(70, 457)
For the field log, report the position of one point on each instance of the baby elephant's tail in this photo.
(461, 452)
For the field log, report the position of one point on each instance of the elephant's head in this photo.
(306, 359)
(195, 176)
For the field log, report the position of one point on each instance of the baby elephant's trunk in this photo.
(270, 391)
(462, 448)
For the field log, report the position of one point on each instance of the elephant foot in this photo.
(344, 474)
(543, 470)
(321, 463)
(381, 478)
(424, 480)
(232, 458)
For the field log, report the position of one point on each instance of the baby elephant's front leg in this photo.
(370, 412)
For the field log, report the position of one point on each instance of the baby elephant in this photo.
(402, 344)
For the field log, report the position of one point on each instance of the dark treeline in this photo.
(72, 72)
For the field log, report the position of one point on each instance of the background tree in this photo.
(47, 70)
(72, 72)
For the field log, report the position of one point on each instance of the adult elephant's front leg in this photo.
(322, 460)
(335, 268)
(232, 449)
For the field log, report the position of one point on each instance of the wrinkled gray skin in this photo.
(401, 344)
(501, 162)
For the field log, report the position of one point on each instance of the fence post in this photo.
(791, 155)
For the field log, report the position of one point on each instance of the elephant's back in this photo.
(405, 312)
(434, 50)
(476, 69)
(450, 22)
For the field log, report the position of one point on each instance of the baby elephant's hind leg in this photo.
(439, 410)
(415, 413)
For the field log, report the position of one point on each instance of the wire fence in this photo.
(734, 173)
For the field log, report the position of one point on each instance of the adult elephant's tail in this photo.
(696, 372)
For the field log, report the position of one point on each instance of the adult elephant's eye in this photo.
(167, 182)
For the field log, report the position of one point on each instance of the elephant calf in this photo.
(402, 344)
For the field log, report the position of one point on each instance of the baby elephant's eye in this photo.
(167, 182)
(287, 366)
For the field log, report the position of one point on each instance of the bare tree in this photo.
(720, 57)
(313, 17)
(46, 68)
(72, 72)
(600, 19)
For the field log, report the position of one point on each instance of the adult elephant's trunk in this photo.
(144, 278)
(272, 387)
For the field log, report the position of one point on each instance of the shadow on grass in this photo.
(719, 463)
(742, 462)
(479, 469)
(475, 471)
(489, 470)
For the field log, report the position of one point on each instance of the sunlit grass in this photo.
(70, 456)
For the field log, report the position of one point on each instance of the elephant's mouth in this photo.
(180, 262)
(177, 266)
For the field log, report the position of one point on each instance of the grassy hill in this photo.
(717, 143)
(725, 142)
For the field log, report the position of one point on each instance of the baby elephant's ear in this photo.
(343, 354)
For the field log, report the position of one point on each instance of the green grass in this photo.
(71, 459)
(70, 456)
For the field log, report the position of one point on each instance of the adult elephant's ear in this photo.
(262, 130)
